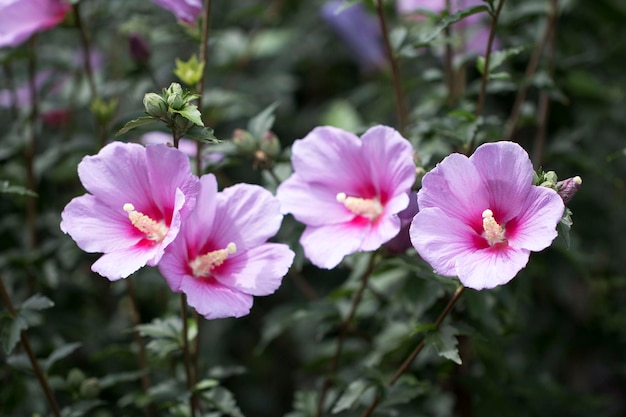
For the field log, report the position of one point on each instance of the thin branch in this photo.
(10, 82)
(343, 331)
(531, 69)
(41, 376)
(204, 57)
(141, 353)
(409, 360)
(544, 97)
(448, 61)
(186, 354)
(483, 84)
(84, 38)
(401, 111)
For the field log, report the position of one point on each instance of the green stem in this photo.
(409, 360)
(187, 355)
(41, 376)
(483, 84)
(204, 57)
(400, 101)
(344, 326)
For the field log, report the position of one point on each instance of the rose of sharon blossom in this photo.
(221, 258)
(347, 191)
(359, 31)
(186, 11)
(138, 197)
(475, 30)
(19, 19)
(480, 217)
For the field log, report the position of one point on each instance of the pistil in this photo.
(154, 230)
(492, 231)
(366, 207)
(203, 265)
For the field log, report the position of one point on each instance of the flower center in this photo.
(154, 230)
(366, 207)
(492, 231)
(204, 264)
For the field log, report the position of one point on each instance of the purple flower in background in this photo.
(474, 29)
(480, 217)
(186, 11)
(138, 197)
(402, 241)
(19, 19)
(359, 31)
(347, 191)
(21, 96)
(221, 258)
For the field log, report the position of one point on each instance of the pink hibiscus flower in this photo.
(138, 197)
(348, 191)
(221, 259)
(186, 11)
(480, 217)
(19, 19)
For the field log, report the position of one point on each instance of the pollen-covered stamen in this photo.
(367, 207)
(492, 231)
(203, 265)
(154, 230)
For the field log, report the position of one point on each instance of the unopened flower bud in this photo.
(568, 188)
(155, 105)
(139, 48)
(270, 145)
(190, 72)
(90, 388)
(103, 110)
(174, 96)
(75, 378)
(244, 141)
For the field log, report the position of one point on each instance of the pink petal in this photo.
(200, 223)
(311, 203)
(258, 271)
(179, 201)
(456, 187)
(535, 228)
(441, 240)
(214, 300)
(120, 264)
(390, 157)
(488, 268)
(169, 170)
(332, 157)
(96, 227)
(325, 246)
(174, 264)
(384, 229)
(117, 175)
(19, 19)
(508, 173)
(246, 215)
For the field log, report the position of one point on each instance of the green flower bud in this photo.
(90, 388)
(190, 72)
(75, 377)
(175, 96)
(270, 145)
(244, 141)
(155, 105)
(103, 110)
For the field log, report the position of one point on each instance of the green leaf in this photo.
(81, 408)
(406, 388)
(445, 343)
(114, 379)
(202, 134)
(447, 21)
(496, 59)
(37, 302)
(263, 121)
(206, 384)
(136, 123)
(7, 188)
(59, 354)
(223, 400)
(351, 395)
(10, 330)
(304, 404)
(191, 113)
